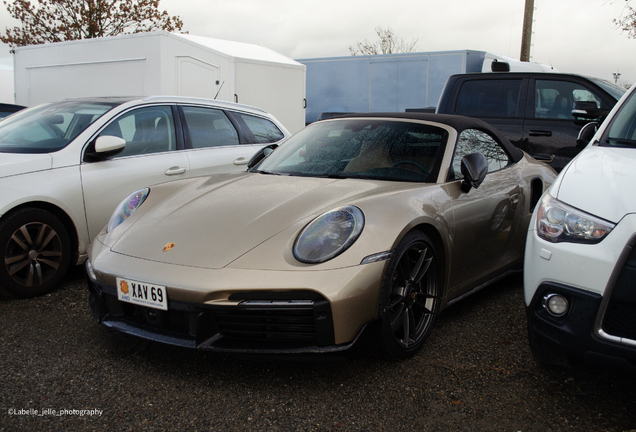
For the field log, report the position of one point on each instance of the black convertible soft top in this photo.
(459, 123)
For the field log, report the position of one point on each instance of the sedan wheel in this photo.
(36, 250)
(410, 296)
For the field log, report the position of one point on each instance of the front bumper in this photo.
(575, 336)
(600, 323)
(246, 311)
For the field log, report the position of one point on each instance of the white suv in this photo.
(580, 261)
(65, 166)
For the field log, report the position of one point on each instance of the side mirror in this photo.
(588, 110)
(474, 168)
(260, 155)
(586, 134)
(499, 66)
(104, 147)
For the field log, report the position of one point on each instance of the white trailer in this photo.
(163, 63)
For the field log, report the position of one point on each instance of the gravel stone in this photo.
(475, 373)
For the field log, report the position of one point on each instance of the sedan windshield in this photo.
(50, 127)
(361, 148)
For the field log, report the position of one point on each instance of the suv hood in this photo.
(21, 163)
(599, 181)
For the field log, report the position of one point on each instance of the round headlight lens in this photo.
(127, 207)
(329, 235)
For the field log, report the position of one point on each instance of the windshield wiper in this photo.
(267, 172)
(620, 141)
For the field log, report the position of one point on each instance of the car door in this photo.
(550, 128)
(152, 155)
(500, 102)
(486, 218)
(213, 142)
(224, 141)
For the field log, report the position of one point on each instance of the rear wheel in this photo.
(36, 252)
(410, 296)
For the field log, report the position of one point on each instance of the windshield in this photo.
(622, 130)
(50, 127)
(613, 89)
(361, 148)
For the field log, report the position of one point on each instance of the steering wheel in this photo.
(420, 167)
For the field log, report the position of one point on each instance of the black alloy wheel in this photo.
(36, 251)
(410, 296)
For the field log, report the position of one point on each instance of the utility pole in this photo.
(526, 36)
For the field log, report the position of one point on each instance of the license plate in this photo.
(142, 293)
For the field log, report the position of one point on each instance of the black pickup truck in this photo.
(541, 113)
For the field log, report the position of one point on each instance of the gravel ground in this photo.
(475, 373)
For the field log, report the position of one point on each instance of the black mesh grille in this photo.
(620, 316)
(297, 324)
(620, 320)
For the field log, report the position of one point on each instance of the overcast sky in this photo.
(572, 35)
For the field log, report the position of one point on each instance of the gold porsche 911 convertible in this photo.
(361, 225)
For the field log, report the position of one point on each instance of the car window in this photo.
(554, 99)
(209, 127)
(259, 130)
(476, 141)
(489, 98)
(145, 130)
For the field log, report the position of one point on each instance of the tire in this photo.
(36, 251)
(410, 297)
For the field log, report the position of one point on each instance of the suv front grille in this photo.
(620, 315)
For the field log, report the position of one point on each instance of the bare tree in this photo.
(388, 44)
(62, 20)
(627, 21)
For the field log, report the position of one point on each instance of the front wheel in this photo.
(36, 249)
(410, 296)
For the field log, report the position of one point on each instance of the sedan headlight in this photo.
(329, 235)
(127, 207)
(558, 222)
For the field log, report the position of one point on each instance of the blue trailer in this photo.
(389, 82)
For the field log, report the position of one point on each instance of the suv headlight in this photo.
(127, 207)
(328, 235)
(558, 222)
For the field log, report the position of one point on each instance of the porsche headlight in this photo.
(329, 235)
(558, 222)
(127, 207)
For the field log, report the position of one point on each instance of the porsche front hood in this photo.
(599, 181)
(211, 223)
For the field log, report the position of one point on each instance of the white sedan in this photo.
(580, 261)
(65, 166)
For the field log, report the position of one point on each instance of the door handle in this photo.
(241, 161)
(540, 133)
(175, 170)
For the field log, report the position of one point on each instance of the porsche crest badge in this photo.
(169, 246)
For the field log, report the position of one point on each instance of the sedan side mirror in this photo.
(104, 147)
(260, 155)
(474, 168)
